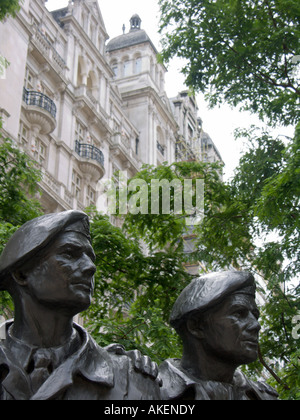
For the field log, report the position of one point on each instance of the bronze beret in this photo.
(36, 235)
(209, 290)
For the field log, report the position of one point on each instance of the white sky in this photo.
(220, 123)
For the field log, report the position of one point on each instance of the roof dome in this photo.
(135, 36)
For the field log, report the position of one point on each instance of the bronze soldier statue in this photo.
(48, 269)
(216, 317)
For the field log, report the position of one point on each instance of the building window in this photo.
(126, 68)
(190, 133)
(90, 197)
(44, 90)
(39, 151)
(138, 65)
(80, 132)
(92, 87)
(137, 146)
(24, 136)
(29, 80)
(115, 69)
(76, 185)
(161, 142)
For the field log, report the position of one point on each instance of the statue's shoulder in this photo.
(120, 370)
(260, 389)
(176, 382)
(141, 373)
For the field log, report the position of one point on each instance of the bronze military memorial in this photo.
(48, 268)
(217, 318)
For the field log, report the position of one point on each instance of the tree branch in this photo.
(263, 77)
(271, 371)
(271, 14)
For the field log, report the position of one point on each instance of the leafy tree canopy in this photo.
(18, 187)
(247, 53)
(9, 8)
(244, 52)
(141, 266)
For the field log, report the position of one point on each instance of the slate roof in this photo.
(135, 37)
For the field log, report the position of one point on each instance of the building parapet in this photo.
(46, 49)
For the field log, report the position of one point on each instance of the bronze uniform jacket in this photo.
(180, 385)
(91, 373)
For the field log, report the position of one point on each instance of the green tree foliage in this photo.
(137, 286)
(246, 53)
(243, 52)
(141, 268)
(9, 8)
(3, 65)
(134, 291)
(18, 186)
(10, 157)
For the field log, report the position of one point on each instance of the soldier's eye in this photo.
(241, 313)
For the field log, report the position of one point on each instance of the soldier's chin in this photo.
(250, 354)
(83, 302)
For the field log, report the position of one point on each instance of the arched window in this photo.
(92, 86)
(81, 72)
(115, 68)
(126, 67)
(161, 146)
(138, 64)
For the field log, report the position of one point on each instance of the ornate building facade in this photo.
(84, 108)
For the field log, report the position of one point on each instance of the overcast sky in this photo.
(220, 123)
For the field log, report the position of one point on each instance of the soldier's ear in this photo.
(195, 327)
(20, 278)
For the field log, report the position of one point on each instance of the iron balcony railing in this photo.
(40, 100)
(88, 151)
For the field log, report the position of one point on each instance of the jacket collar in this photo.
(90, 361)
(177, 381)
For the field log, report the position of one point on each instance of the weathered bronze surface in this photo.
(217, 318)
(48, 268)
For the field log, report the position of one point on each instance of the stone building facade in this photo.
(141, 82)
(84, 108)
(192, 142)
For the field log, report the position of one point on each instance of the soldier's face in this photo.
(64, 279)
(231, 331)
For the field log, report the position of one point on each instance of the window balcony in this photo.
(40, 110)
(91, 160)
